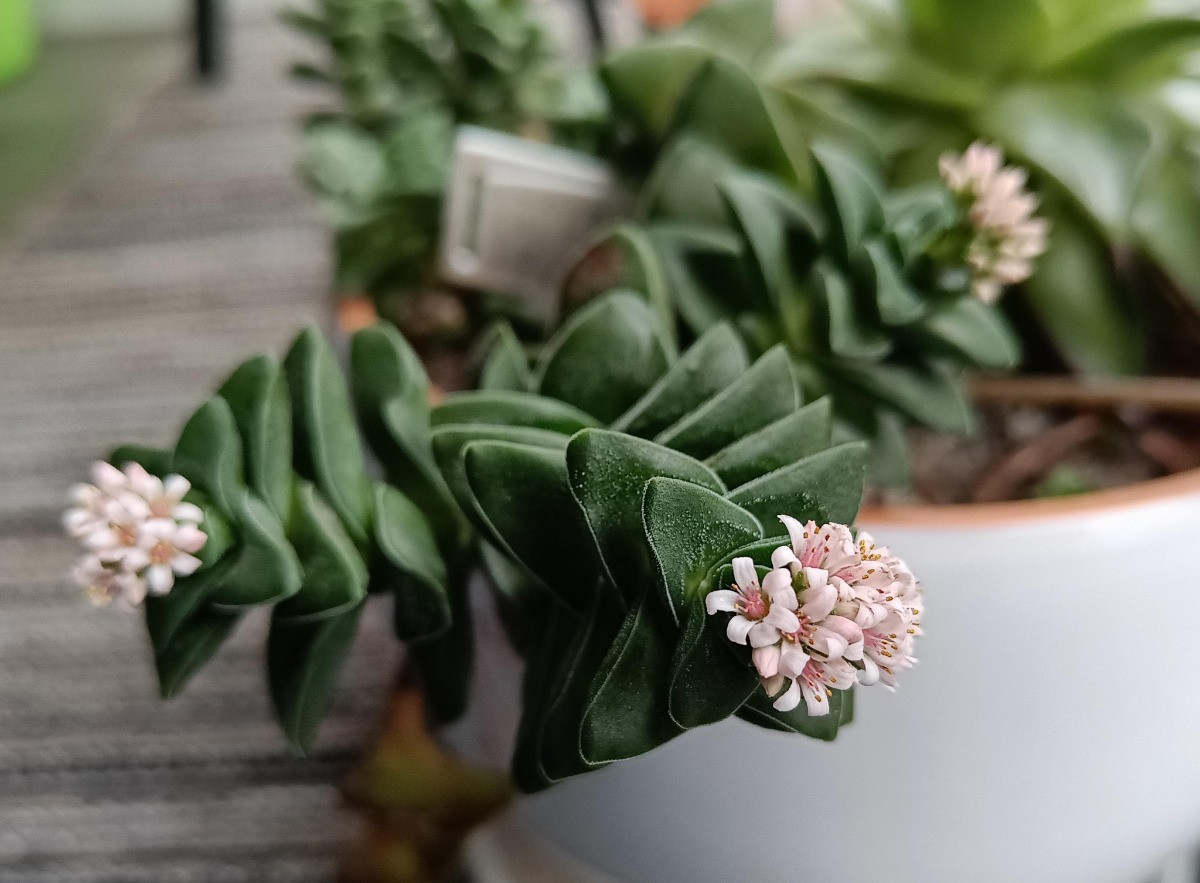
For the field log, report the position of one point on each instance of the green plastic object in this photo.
(18, 38)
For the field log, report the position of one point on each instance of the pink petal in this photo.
(190, 538)
(869, 673)
(766, 660)
(796, 533)
(815, 699)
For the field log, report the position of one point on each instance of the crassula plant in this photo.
(666, 534)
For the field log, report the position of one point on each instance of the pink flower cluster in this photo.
(137, 531)
(833, 611)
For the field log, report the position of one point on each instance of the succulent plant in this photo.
(1095, 97)
(406, 73)
(606, 490)
(844, 278)
(622, 505)
(294, 523)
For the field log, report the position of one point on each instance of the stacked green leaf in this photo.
(612, 484)
(1096, 97)
(407, 72)
(843, 279)
(294, 523)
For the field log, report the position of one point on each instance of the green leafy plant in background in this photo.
(790, 238)
(605, 489)
(406, 73)
(1094, 96)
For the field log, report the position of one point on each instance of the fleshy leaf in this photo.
(417, 570)
(335, 578)
(756, 399)
(264, 569)
(627, 713)
(257, 394)
(192, 645)
(327, 446)
(710, 365)
(605, 357)
(505, 366)
(709, 681)
(524, 502)
(689, 528)
(897, 303)
(608, 472)
(449, 442)
(798, 435)
(972, 331)
(209, 455)
(824, 487)
(511, 409)
(303, 663)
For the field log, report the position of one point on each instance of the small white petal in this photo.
(744, 573)
(738, 629)
(176, 487)
(722, 600)
(762, 634)
(188, 512)
(785, 557)
(788, 700)
(184, 564)
(159, 579)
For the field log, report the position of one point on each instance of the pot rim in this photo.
(949, 515)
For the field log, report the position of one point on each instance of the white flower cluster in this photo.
(138, 533)
(833, 611)
(1007, 237)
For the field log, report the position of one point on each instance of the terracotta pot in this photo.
(1050, 733)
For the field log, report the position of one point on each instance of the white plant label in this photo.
(519, 214)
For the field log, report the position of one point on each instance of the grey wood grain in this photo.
(185, 245)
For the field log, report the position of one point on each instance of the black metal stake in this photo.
(595, 24)
(210, 57)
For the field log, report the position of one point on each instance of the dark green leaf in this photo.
(327, 446)
(209, 455)
(511, 409)
(794, 437)
(156, 461)
(763, 394)
(648, 81)
(710, 365)
(709, 681)
(689, 529)
(972, 332)
(443, 664)
(505, 366)
(414, 564)
(448, 443)
(257, 394)
(852, 332)
(335, 578)
(931, 396)
(303, 663)
(897, 303)
(627, 713)
(264, 569)
(605, 357)
(758, 710)
(824, 487)
(191, 646)
(608, 472)
(525, 507)
(850, 198)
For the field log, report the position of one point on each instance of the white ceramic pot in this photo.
(1050, 733)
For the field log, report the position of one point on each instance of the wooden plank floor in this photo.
(184, 245)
